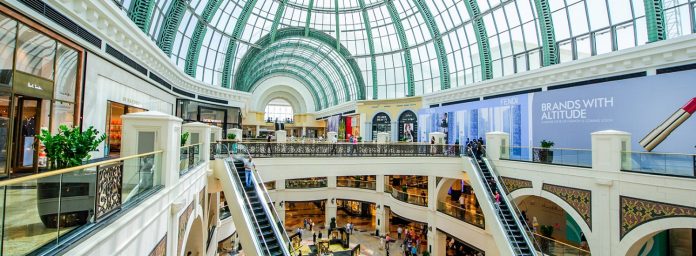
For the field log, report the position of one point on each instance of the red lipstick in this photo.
(660, 133)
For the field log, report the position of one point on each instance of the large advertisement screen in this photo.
(569, 116)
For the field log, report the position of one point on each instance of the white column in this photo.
(237, 132)
(215, 133)
(380, 220)
(152, 131)
(330, 211)
(394, 131)
(439, 245)
(258, 130)
(497, 144)
(367, 136)
(304, 131)
(142, 130)
(199, 133)
(379, 183)
(608, 149)
(281, 136)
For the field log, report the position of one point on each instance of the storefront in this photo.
(381, 122)
(408, 126)
(220, 116)
(113, 121)
(40, 74)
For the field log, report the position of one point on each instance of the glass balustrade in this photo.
(408, 197)
(348, 183)
(470, 216)
(40, 211)
(681, 165)
(319, 182)
(558, 156)
(272, 149)
(189, 157)
(550, 246)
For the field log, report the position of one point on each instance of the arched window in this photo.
(278, 110)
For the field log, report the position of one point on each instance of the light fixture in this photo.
(333, 200)
(281, 204)
(377, 206)
(430, 228)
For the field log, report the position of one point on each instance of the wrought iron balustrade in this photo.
(273, 149)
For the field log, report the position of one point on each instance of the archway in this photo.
(278, 110)
(381, 122)
(456, 198)
(554, 227)
(195, 243)
(667, 235)
(408, 126)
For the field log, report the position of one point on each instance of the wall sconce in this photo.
(281, 203)
(378, 206)
(333, 200)
(430, 228)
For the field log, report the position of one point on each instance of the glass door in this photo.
(26, 128)
(4, 132)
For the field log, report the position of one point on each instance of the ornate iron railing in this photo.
(272, 149)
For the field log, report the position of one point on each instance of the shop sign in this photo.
(30, 85)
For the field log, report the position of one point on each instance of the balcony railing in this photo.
(469, 216)
(679, 165)
(305, 183)
(45, 211)
(368, 184)
(415, 199)
(189, 157)
(550, 246)
(272, 149)
(557, 156)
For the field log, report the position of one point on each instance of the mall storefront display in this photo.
(216, 115)
(114, 123)
(40, 78)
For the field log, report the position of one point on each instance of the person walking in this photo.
(398, 232)
(248, 167)
(314, 237)
(432, 145)
(497, 200)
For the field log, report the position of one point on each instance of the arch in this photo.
(195, 236)
(409, 117)
(381, 122)
(304, 74)
(287, 85)
(522, 193)
(634, 240)
(291, 32)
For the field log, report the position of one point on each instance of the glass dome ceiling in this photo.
(345, 50)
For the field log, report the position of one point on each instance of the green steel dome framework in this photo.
(344, 50)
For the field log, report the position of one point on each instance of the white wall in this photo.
(107, 82)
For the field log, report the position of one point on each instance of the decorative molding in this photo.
(513, 184)
(107, 21)
(183, 219)
(579, 199)
(636, 212)
(677, 51)
(161, 247)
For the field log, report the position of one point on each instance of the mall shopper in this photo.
(398, 232)
(432, 145)
(497, 200)
(314, 237)
(248, 167)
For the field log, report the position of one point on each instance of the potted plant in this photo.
(184, 138)
(547, 231)
(231, 136)
(545, 153)
(360, 139)
(69, 147)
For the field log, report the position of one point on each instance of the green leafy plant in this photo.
(231, 136)
(360, 139)
(546, 230)
(547, 143)
(184, 138)
(70, 146)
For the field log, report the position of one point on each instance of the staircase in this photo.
(263, 228)
(513, 228)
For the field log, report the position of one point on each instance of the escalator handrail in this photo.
(270, 210)
(506, 196)
(246, 200)
(505, 200)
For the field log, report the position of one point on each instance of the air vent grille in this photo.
(123, 58)
(160, 80)
(63, 21)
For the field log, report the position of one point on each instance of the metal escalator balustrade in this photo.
(515, 230)
(265, 231)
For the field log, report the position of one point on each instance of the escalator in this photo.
(512, 230)
(257, 222)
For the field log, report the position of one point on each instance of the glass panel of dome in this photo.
(598, 15)
(620, 10)
(603, 41)
(578, 16)
(583, 47)
(625, 36)
(560, 24)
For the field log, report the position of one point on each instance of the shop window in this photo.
(66, 74)
(278, 110)
(35, 53)
(8, 29)
(62, 115)
(114, 122)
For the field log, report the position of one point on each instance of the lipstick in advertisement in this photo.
(657, 135)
